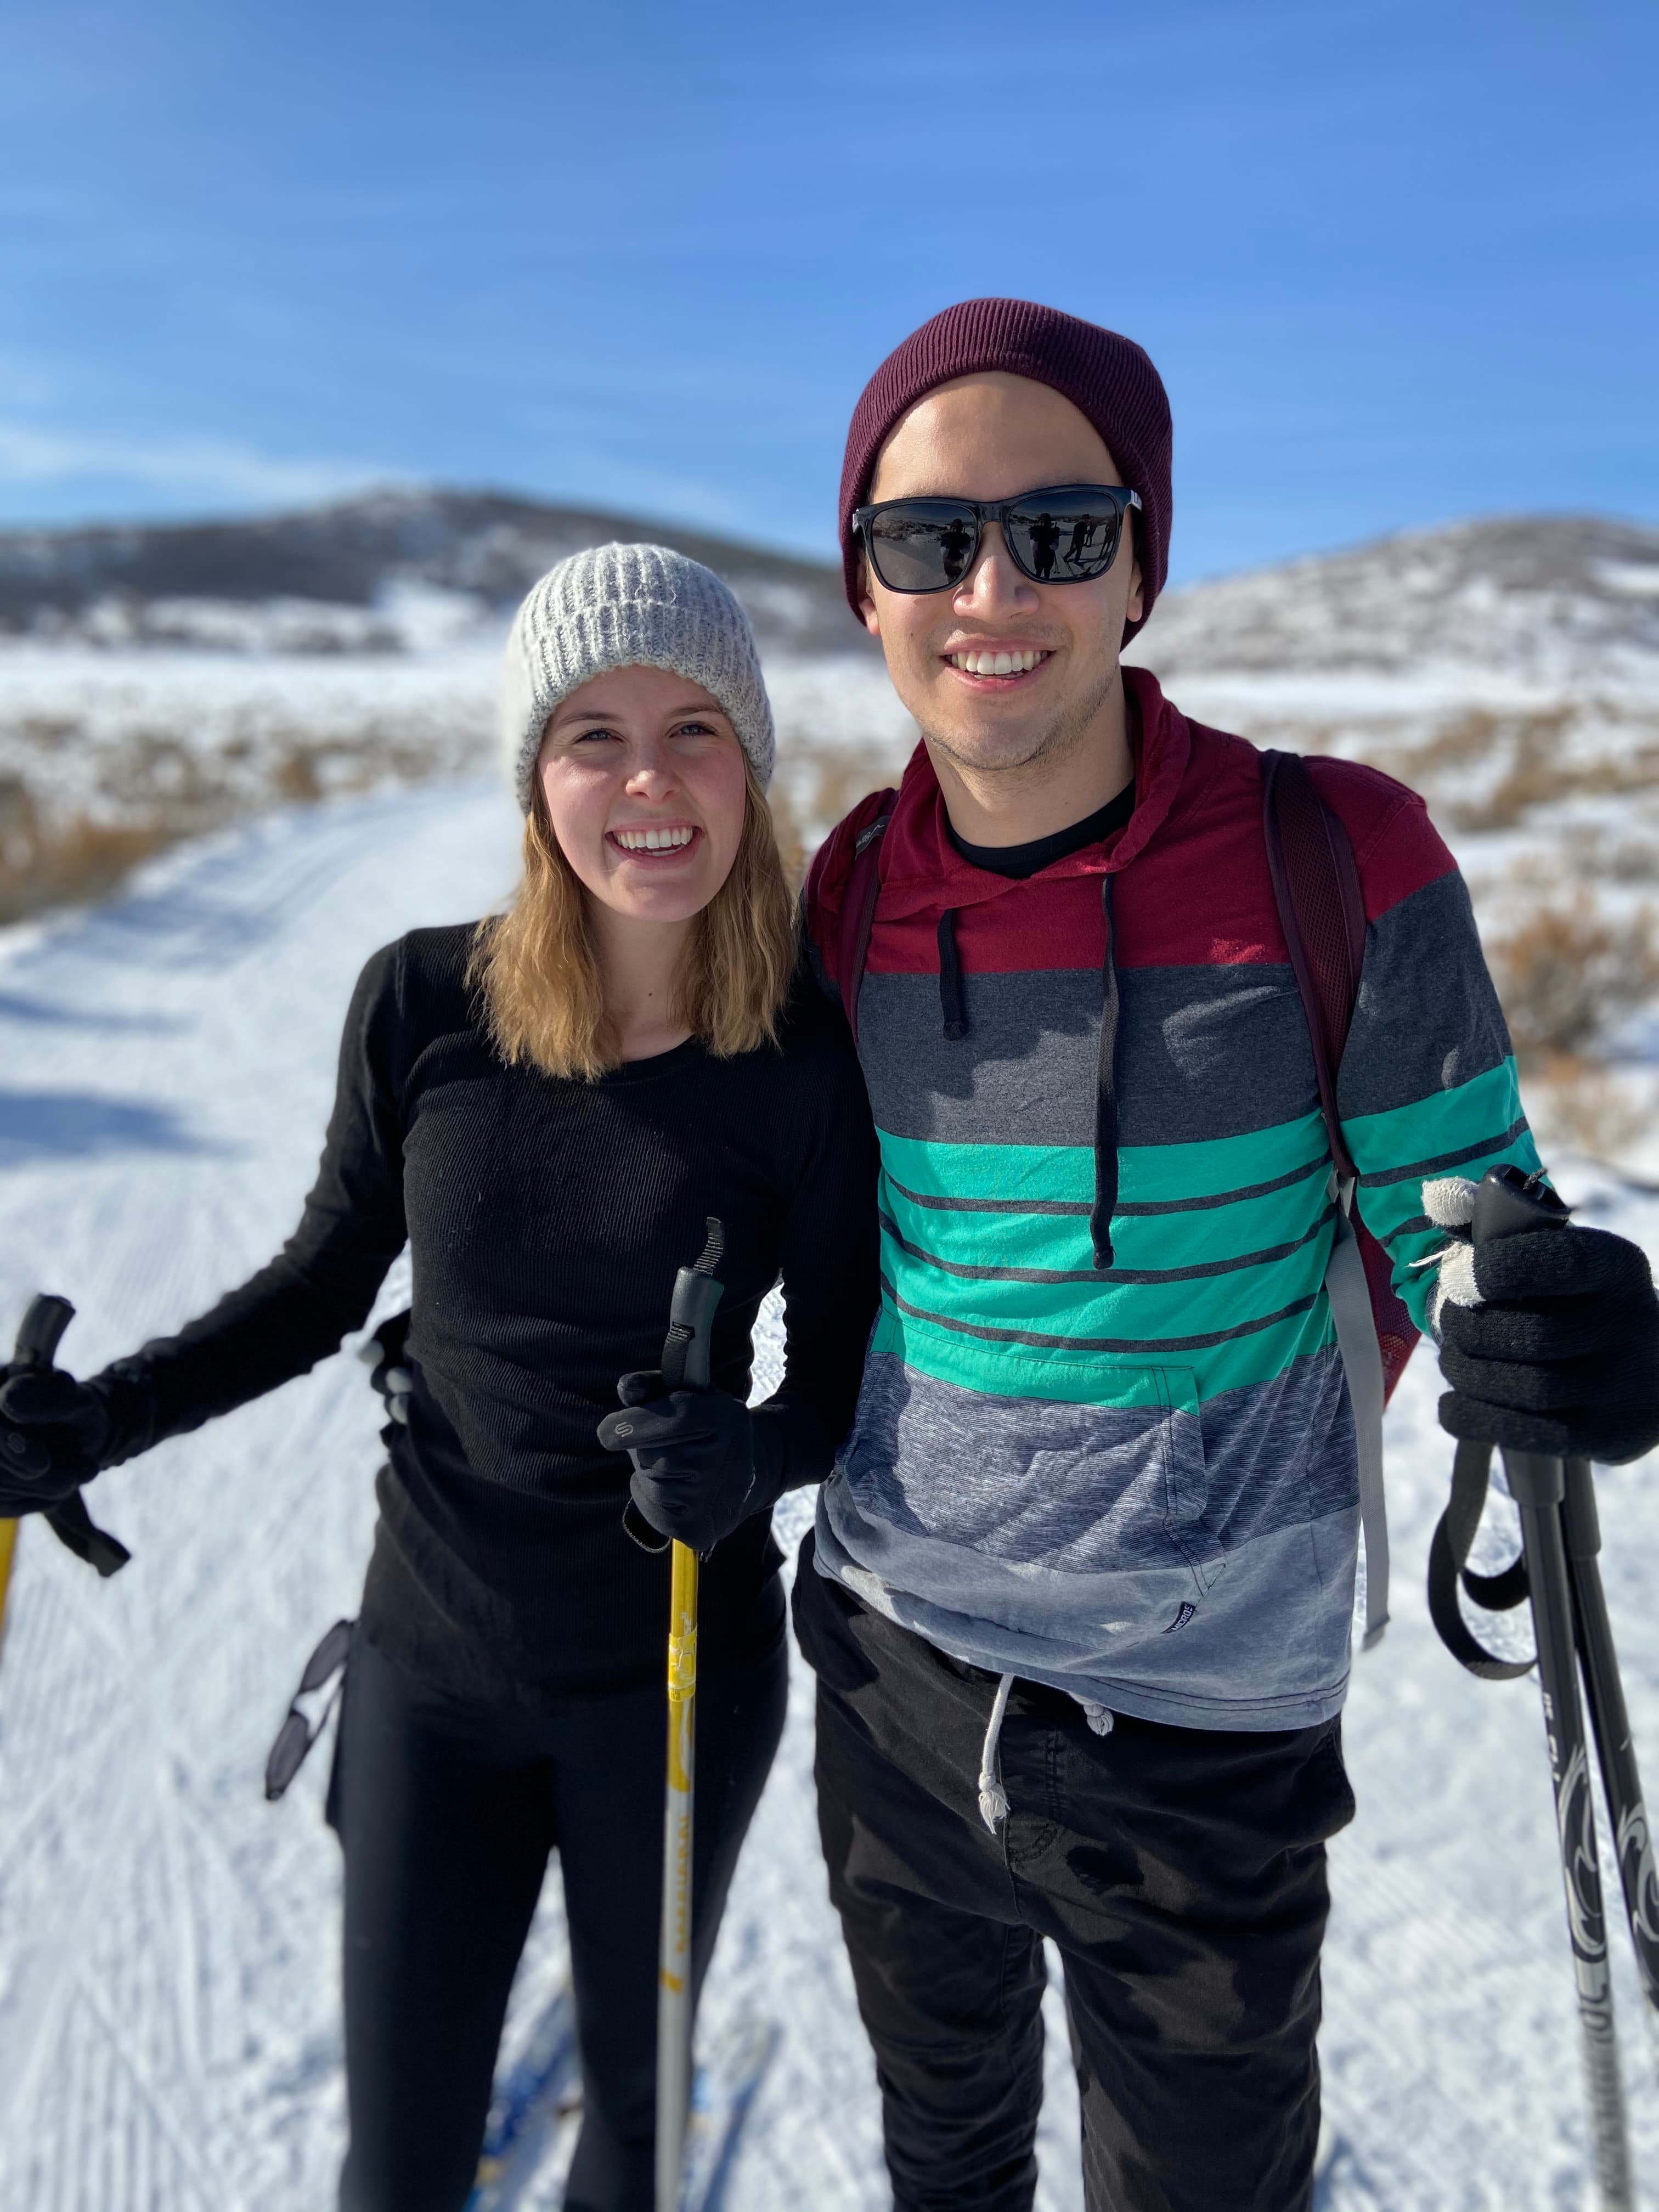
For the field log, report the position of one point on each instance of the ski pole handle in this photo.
(686, 1353)
(1509, 1202)
(41, 1330)
(39, 1335)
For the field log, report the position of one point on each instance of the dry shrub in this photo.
(1577, 1106)
(1487, 768)
(818, 784)
(295, 778)
(1632, 860)
(1568, 973)
(155, 770)
(792, 849)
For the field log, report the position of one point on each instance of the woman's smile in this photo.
(654, 844)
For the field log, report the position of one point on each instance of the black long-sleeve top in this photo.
(546, 1218)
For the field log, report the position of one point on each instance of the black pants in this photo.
(447, 1813)
(1180, 1873)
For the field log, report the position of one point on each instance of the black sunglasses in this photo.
(1059, 534)
(298, 1732)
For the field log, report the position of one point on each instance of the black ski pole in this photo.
(1507, 1204)
(1604, 1693)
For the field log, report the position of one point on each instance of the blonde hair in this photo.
(535, 968)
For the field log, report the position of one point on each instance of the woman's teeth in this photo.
(996, 664)
(653, 840)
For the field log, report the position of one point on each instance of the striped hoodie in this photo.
(1105, 1439)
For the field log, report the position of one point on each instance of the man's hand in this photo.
(54, 1433)
(695, 1475)
(1558, 1352)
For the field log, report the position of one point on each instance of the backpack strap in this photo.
(858, 905)
(1321, 913)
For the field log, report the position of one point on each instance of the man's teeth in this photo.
(653, 840)
(996, 664)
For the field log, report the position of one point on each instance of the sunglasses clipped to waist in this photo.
(1059, 534)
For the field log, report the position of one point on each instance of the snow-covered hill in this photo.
(169, 2040)
(392, 571)
(1547, 599)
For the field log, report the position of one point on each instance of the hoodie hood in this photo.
(921, 867)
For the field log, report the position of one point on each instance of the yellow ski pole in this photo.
(685, 1365)
(674, 1963)
(7, 1549)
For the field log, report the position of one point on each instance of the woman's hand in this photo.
(55, 1434)
(694, 1473)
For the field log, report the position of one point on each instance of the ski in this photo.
(539, 2090)
(721, 2093)
(526, 2110)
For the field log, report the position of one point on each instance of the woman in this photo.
(547, 1107)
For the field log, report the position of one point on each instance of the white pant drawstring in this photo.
(1100, 1718)
(993, 1797)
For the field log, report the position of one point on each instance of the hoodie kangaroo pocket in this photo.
(1099, 1470)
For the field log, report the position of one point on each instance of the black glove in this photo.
(1561, 1355)
(57, 1433)
(53, 1433)
(701, 1461)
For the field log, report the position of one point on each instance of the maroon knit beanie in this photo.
(1105, 377)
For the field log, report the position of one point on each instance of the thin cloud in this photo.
(219, 468)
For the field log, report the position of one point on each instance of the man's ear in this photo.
(1137, 604)
(867, 604)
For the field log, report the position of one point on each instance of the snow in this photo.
(169, 2037)
(1639, 578)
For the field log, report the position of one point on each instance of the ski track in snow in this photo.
(169, 2035)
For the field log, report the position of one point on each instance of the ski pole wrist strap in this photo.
(1449, 1567)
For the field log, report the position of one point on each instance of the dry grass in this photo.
(1485, 769)
(157, 790)
(71, 862)
(1568, 973)
(1579, 1106)
(796, 858)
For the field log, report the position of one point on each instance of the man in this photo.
(1080, 1590)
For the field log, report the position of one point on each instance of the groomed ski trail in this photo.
(169, 2037)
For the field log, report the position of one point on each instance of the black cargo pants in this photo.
(1180, 1875)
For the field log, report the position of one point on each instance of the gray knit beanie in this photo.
(629, 606)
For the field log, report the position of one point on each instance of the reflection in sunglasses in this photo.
(926, 544)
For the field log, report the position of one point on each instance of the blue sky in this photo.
(1394, 257)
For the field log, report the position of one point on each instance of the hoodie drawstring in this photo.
(1100, 1218)
(954, 1010)
(949, 978)
(993, 1797)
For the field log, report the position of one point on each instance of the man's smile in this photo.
(1003, 664)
